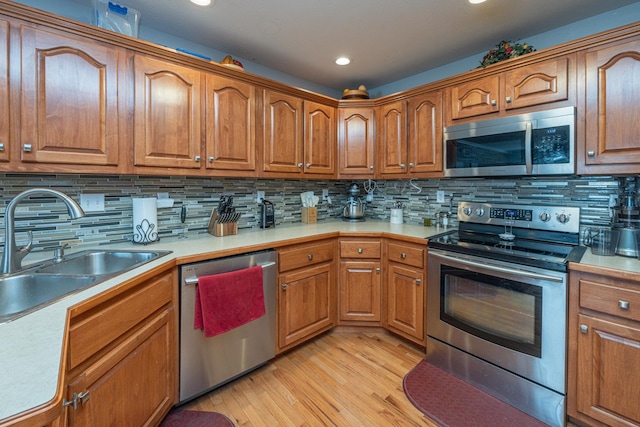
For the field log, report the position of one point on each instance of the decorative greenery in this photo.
(505, 50)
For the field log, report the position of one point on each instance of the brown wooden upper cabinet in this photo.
(356, 139)
(612, 109)
(167, 114)
(230, 125)
(299, 137)
(5, 119)
(70, 112)
(529, 85)
(409, 137)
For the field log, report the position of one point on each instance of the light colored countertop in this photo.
(31, 346)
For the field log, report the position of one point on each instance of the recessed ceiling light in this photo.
(343, 60)
(201, 2)
(470, 1)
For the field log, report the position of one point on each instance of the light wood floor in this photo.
(344, 378)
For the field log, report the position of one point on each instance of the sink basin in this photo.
(100, 262)
(33, 288)
(24, 293)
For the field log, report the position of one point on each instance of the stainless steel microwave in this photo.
(540, 143)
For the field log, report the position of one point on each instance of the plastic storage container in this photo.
(115, 17)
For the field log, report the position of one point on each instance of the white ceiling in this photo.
(386, 40)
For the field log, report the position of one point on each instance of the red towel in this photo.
(228, 300)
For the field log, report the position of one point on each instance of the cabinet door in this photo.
(608, 371)
(4, 92)
(537, 83)
(406, 302)
(70, 110)
(612, 110)
(283, 133)
(132, 384)
(475, 98)
(425, 133)
(320, 139)
(359, 298)
(231, 130)
(392, 138)
(356, 142)
(306, 303)
(166, 114)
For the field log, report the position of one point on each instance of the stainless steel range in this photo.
(497, 302)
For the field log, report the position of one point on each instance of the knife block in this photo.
(220, 229)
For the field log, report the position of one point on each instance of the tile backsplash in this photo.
(48, 218)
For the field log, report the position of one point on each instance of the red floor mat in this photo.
(185, 418)
(453, 403)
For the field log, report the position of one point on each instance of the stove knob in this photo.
(544, 216)
(467, 211)
(563, 218)
(480, 212)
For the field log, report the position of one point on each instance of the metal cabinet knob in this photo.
(624, 305)
(402, 165)
(508, 99)
(196, 158)
(584, 329)
(308, 165)
(418, 282)
(26, 148)
(378, 270)
(411, 164)
(493, 102)
(403, 255)
(371, 167)
(284, 286)
(310, 256)
(360, 250)
(591, 153)
(299, 165)
(1, 146)
(210, 159)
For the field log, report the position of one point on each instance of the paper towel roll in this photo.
(145, 220)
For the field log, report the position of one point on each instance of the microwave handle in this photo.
(528, 148)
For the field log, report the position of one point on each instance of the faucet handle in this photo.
(24, 250)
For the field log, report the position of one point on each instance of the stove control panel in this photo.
(554, 218)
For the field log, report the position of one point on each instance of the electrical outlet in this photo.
(92, 202)
(440, 196)
(325, 194)
(260, 196)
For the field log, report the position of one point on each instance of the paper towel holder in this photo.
(145, 232)
(145, 228)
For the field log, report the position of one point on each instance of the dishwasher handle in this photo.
(194, 280)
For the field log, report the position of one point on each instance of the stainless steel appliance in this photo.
(626, 217)
(497, 302)
(267, 214)
(207, 363)
(354, 210)
(540, 143)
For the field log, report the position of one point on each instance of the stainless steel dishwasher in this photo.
(207, 363)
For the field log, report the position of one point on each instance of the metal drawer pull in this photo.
(1, 146)
(418, 281)
(299, 165)
(196, 158)
(591, 153)
(411, 164)
(624, 305)
(284, 286)
(584, 329)
(508, 99)
(360, 250)
(402, 165)
(26, 148)
(493, 102)
(308, 165)
(371, 167)
(403, 255)
(310, 256)
(211, 159)
(378, 270)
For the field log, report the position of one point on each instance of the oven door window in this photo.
(505, 312)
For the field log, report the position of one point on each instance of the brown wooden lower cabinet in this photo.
(130, 379)
(405, 290)
(604, 350)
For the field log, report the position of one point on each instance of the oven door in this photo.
(510, 315)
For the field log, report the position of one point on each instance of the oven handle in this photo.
(493, 267)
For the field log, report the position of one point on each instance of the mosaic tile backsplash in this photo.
(48, 219)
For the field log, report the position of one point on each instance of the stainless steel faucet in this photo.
(12, 257)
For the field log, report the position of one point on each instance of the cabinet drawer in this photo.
(610, 299)
(359, 249)
(96, 329)
(405, 254)
(304, 255)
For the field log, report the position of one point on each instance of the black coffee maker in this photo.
(267, 214)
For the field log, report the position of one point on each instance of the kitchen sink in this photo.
(100, 262)
(33, 288)
(23, 293)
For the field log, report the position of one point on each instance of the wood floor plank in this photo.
(343, 378)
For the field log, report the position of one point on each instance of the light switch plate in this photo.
(440, 196)
(92, 202)
(260, 196)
